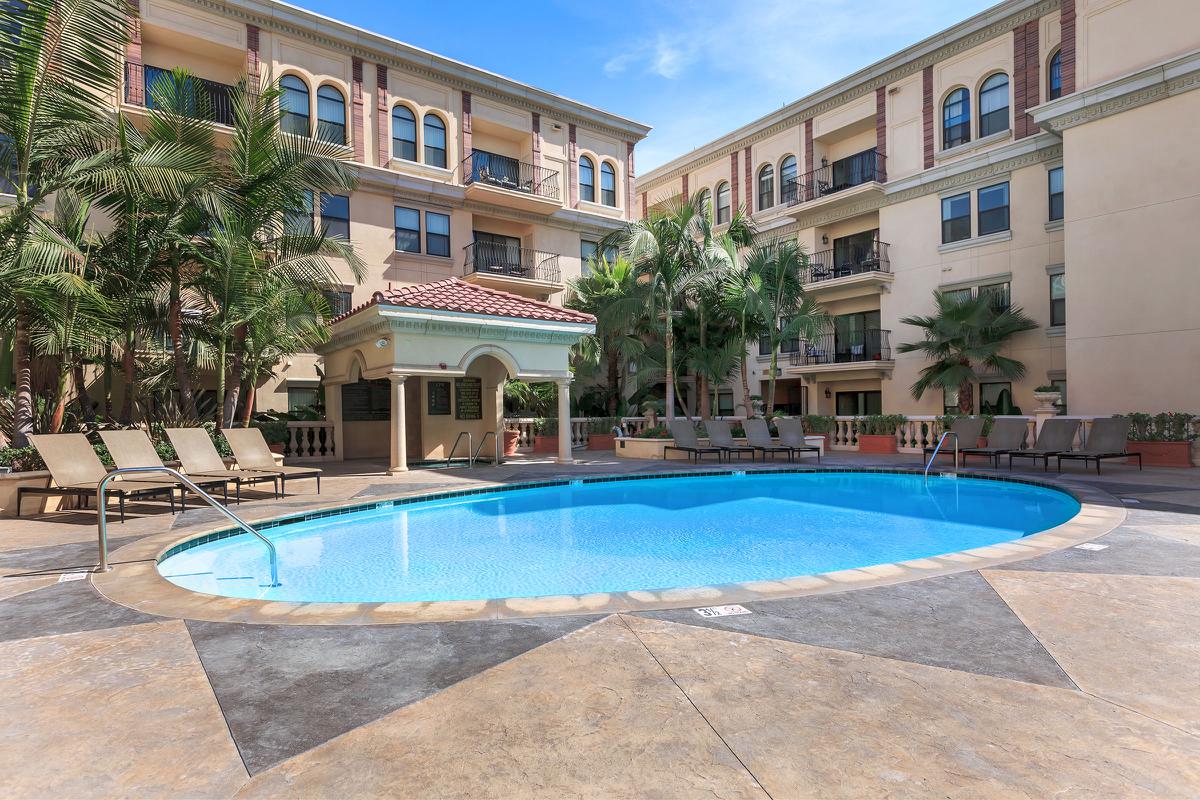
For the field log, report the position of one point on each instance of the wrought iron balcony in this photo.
(844, 348)
(852, 260)
(845, 173)
(510, 261)
(215, 99)
(506, 172)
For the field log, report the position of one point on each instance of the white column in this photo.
(333, 414)
(564, 421)
(399, 435)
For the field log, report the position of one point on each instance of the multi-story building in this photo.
(462, 172)
(1042, 151)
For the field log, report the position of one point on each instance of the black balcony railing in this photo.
(853, 259)
(494, 258)
(845, 173)
(509, 173)
(844, 348)
(214, 100)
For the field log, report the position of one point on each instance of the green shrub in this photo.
(545, 426)
(879, 424)
(21, 459)
(655, 432)
(817, 423)
(274, 431)
(1168, 426)
(1047, 388)
(602, 424)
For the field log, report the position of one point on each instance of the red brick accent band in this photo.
(927, 113)
(748, 168)
(537, 139)
(253, 58)
(630, 181)
(356, 109)
(135, 76)
(466, 125)
(382, 117)
(733, 181)
(686, 196)
(1066, 12)
(572, 165)
(881, 131)
(808, 155)
(644, 209)
(1026, 77)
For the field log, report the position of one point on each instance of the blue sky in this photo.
(694, 70)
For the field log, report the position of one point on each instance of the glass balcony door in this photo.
(497, 253)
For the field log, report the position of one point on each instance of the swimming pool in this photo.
(619, 535)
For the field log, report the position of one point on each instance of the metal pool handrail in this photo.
(482, 442)
(470, 447)
(102, 518)
(938, 448)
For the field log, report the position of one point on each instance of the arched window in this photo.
(608, 184)
(295, 105)
(331, 115)
(704, 202)
(956, 119)
(435, 141)
(404, 134)
(1054, 78)
(993, 105)
(723, 211)
(787, 180)
(587, 179)
(766, 187)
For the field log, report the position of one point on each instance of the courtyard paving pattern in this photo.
(1070, 674)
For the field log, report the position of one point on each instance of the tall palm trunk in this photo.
(183, 378)
(86, 411)
(965, 392)
(614, 382)
(60, 394)
(701, 380)
(669, 345)
(108, 383)
(22, 359)
(129, 373)
(743, 368)
(248, 402)
(774, 368)
(233, 381)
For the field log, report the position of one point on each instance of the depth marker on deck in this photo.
(721, 611)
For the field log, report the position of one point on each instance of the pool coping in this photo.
(136, 583)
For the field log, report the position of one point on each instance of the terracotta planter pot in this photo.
(276, 447)
(1162, 454)
(876, 444)
(545, 444)
(601, 441)
(511, 440)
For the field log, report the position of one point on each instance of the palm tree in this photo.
(786, 312)
(962, 336)
(611, 293)
(59, 57)
(743, 300)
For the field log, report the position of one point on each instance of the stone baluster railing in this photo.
(309, 441)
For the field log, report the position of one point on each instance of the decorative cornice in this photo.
(939, 47)
(324, 31)
(1165, 79)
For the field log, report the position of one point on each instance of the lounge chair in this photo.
(1056, 437)
(200, 459)
(720, 436)
(966, 430)
(758, 435)
(130, 449)
(1105, 440)
(791, 434)
(684, 434)
(251, 451)
(77, 471)
(1007, 436)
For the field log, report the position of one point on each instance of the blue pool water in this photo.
(613, 536)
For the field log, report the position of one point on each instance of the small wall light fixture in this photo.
(381, 343)
(824, 238)
(828, 394)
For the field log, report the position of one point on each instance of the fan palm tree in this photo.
(785, 312)
(59, 56)
(962, 336)
(611, 293)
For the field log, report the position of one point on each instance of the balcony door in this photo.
(856, 336)
(851, 252)
(497, 253)
(496, 169)
(853, 170)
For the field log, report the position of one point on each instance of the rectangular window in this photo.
(996, 398)
(299, 221)
(587, 255)
(1000, 294)
(340, 302)
(1055, 177)
(1058, 299)
(858, 404)
(956, 218)
(724, 404)
(437, 234)
(408, 230)
(993, 209)
(959, 295)
(335, 215)
(950, 403)
(301, 397)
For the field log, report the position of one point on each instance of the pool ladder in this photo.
(937, 449)
(472, 451)
(102, 514)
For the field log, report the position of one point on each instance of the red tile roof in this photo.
(453, 294)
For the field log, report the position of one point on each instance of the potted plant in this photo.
(276, 434)
(1164, 440)
(512, 439)
(601, 435)
(876, 433)
(1049, 396)
(545, 435)
(818, 425)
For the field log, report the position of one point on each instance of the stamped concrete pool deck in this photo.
(1071, 673)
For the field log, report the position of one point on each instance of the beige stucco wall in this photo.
(1133, 307)
(1114, 37)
